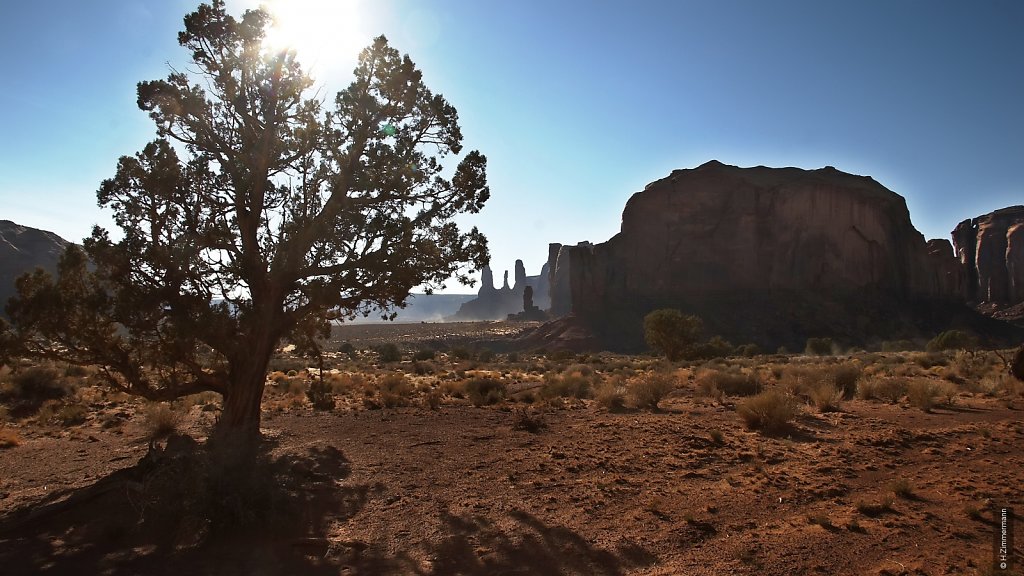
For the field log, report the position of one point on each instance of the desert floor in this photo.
(416, 479)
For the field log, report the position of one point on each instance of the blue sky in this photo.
(576, 104)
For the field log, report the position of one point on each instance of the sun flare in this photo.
(323, 33)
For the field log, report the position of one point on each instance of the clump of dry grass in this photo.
(395, 390)
(611, 395)
(485, 391)
(9, 438)
(160, 420)
(902, 488)
(770, 411)
(647, 389)
(886, 389)
(432, 399)
(826, 397)
(716, 383)
(28, 390)
(874, 509)
(574, 382)
(927, 394)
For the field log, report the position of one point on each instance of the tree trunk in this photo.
(246, 382)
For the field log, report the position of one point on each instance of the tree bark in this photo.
(246, 382)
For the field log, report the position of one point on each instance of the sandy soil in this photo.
(873, 489)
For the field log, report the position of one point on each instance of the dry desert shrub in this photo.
(926, 394)
(770, 411)
(8, 438)
(160, 420)
(884, 388)
(574, 382)
(395, 390)
(928, 360)
(432, 399)
(611, 394)
(291, 384)
(388, 352)
(898, 346)
(819, 346)
(873, 509)
(974, 366)
(485, 391)
(34, 385)
(715, 383)
(648, 388)
(846, 376)
(424, 354)
(528, 420)
(321, 394)
(902, 488)
(826, 397)
(347, 383)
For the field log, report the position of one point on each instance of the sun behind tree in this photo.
(257, 216)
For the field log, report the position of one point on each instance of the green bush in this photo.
(819, 346)
(748, 350)
(952, 340)
(421, 355)
(669, 332)
(389, 352)
(321, 394)
(460, 353)
(898, 346)
(715, 347)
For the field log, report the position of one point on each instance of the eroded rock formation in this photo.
(991, 250)
(499, 303)
(950, 275)
(769, 255)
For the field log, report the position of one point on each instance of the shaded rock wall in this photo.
(991, 250)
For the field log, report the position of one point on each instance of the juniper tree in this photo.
(258, 215)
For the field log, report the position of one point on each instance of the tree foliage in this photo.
(670, 332)
(260, 213)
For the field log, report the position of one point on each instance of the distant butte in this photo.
(765, 255)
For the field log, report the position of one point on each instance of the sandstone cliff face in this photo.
(991, 250)
(22, 250)
(950, 275)
(720, 230)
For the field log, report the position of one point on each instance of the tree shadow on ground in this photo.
(518, 543)
(190, 509)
